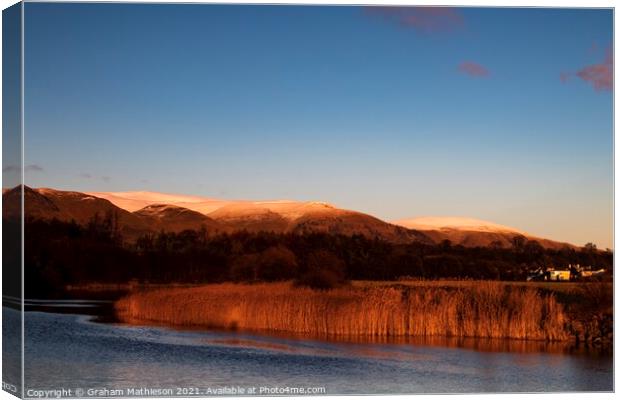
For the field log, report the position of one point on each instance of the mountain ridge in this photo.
(150, 212)
(471, 232)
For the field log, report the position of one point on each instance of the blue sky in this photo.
(499, 114)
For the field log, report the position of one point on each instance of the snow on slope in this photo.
(272, 215)
(216, 208)
(159, 210)
(458, 223)
(133, 201)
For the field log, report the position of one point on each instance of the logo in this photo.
(9, 387)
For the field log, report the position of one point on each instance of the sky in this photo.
(493, 113)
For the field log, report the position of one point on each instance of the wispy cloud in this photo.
(33, 168)
(421, 19)
(565, 77)
(600, 76)
(473, 69)
(10, 169)
(86, 175)
(27, 168)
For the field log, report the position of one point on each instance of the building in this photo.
(570, 273)
(551, 274)
(558, 275)
(585, 272)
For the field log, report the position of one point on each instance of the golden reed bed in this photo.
(485, 310)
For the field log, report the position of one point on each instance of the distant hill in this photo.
(138, 213)
(280, 216)
(165, 217)
(470, 232)
(70, 206)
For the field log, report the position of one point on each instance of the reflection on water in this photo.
(74, 351)
(474, 344)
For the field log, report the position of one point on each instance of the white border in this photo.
(466, 3)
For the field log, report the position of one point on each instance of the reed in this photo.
(484, 310)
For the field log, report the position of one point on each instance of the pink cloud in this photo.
(565, 77)
(421, 19)
(473, 69)
(600, 76)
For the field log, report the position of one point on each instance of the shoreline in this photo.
(478, 309)
(263, 338)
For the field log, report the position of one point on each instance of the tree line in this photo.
(61, 253)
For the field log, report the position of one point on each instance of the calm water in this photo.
(65, 350)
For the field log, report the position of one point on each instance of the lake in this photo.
(69, 349)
